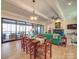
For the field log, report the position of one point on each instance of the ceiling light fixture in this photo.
(69, 3)
(33, 17)
(58, 20)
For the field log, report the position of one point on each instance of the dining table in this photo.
(33, 47)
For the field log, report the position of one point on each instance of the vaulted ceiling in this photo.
(45, 9)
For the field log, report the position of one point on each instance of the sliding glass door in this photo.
(20, 28)
(9, 30)
(39, 29)
(28, 29)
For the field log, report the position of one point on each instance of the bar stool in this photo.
(27, 45)
(33, 49)
(22, 43)
(43, 49)
(48, 45)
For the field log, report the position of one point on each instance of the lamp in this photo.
(33, 17)
(58, 20)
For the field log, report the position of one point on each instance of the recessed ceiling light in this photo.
(69, 3)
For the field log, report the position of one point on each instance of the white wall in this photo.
(64, 24)
(70, 37)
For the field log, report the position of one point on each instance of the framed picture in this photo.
(72, 26)
(58, 25)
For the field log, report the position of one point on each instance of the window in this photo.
(28, 29)
(39, 30)
(20, 28)
(9, 29)
(12, 29)
(42, 29)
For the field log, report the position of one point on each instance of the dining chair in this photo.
(64, 41)
(28, 44)
(33, 49)
(42, 50)
(48, 45)
(23, 41)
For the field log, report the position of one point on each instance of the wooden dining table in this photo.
(35, 43)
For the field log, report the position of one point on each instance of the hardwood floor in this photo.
(12, 50)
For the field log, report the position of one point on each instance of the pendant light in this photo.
(33, 17)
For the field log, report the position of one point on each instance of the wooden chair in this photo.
(33, 49)
(48, 45)
(64, 41)
(43, 49)
(28, 44)
(23, 41)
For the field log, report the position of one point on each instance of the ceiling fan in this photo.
(55, 18)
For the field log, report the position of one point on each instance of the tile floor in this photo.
(12, 50)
